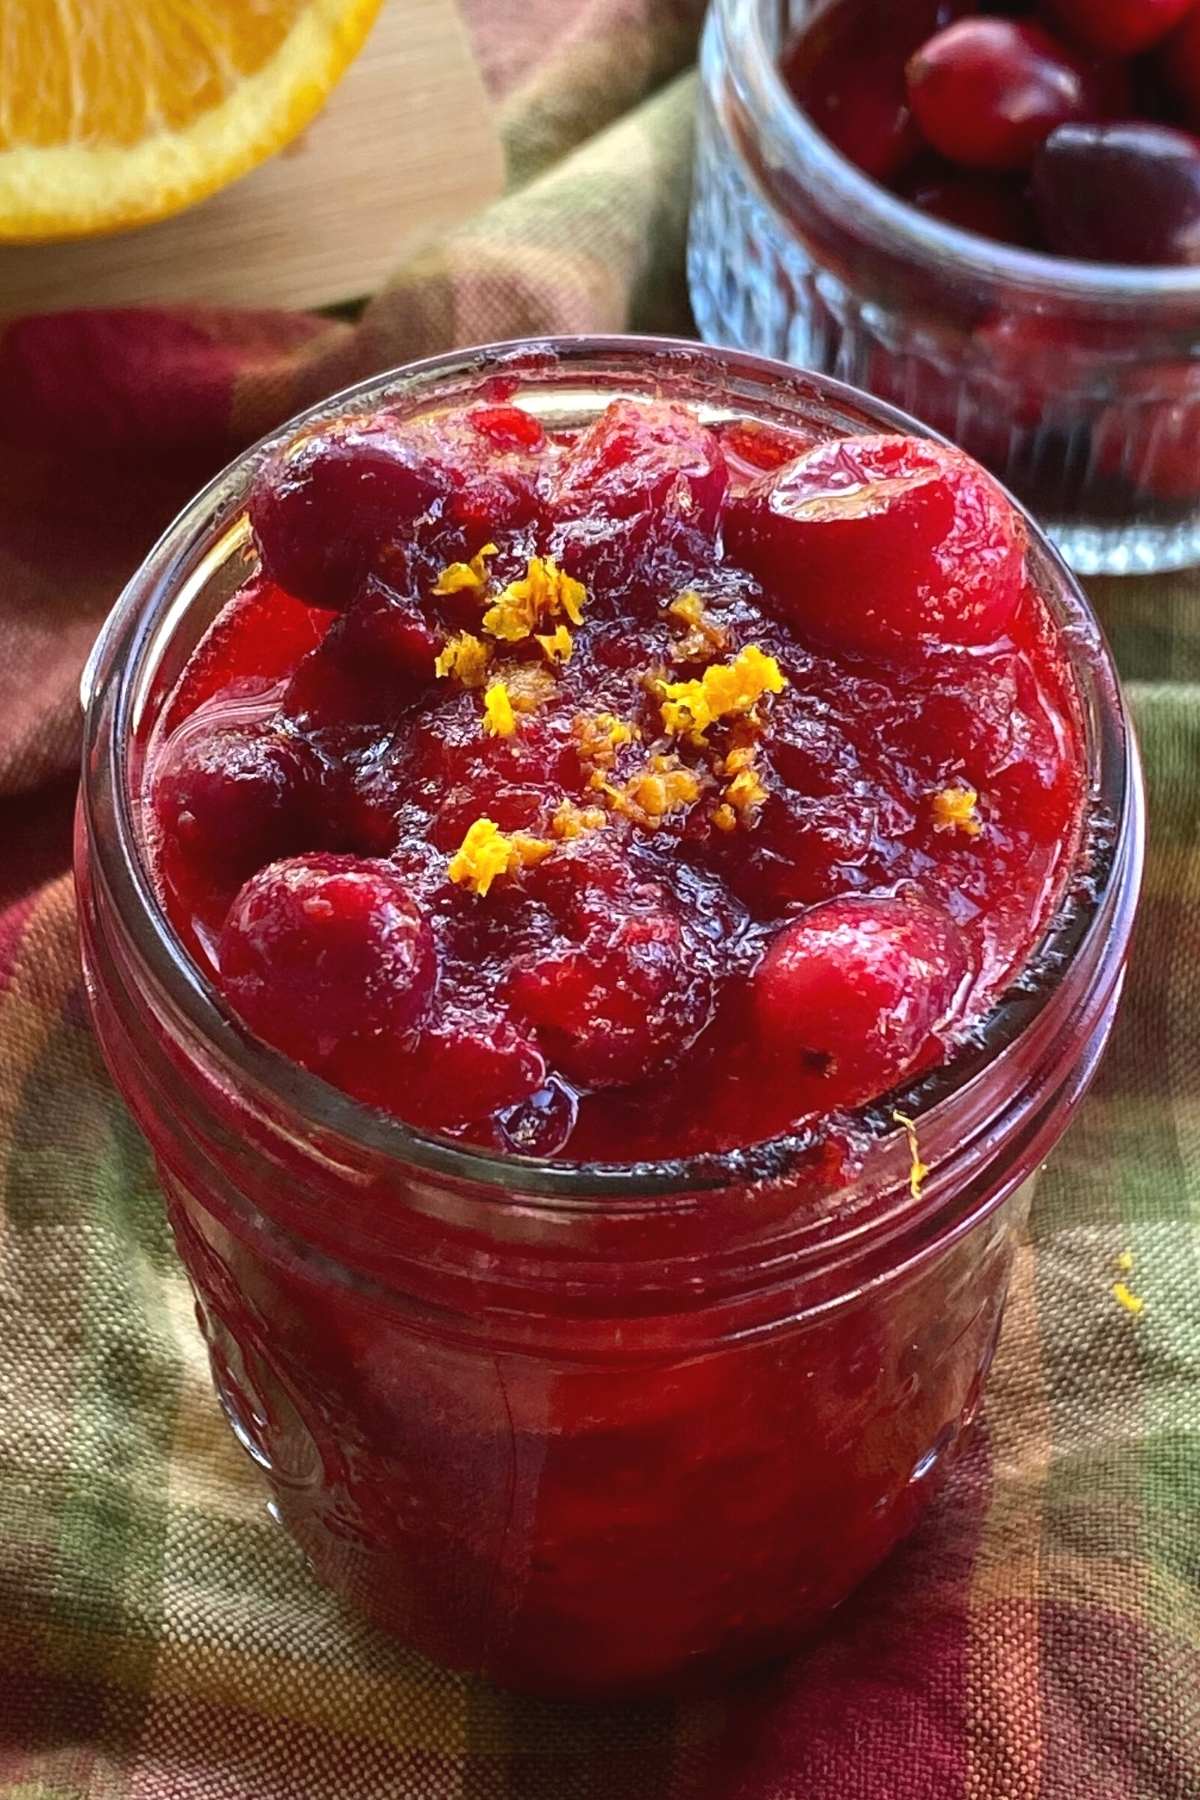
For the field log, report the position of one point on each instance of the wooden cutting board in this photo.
(405, 148)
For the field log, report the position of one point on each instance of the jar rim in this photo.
(1094, 931)
(900, 228)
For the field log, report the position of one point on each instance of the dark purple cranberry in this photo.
(230, 799)
(324, 509)
(1120, 193)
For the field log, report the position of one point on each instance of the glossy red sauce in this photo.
(707, 927)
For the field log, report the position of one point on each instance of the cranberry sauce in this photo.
(1070, 127)
(645, 792)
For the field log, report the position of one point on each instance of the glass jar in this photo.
(1078, 383)
(586, 1429)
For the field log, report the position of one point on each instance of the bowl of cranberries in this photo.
(988, 215)
(604, 867)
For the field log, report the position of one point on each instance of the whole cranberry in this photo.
(1120, 193)
(319, 951)
(644, 472)
(627, 1001)
(986, 92)
(323, 509)
(463, 1067)
(857, 987)
(1118, 27)
(349, 500)
(846, 70)
(882, 545)
(229, 799)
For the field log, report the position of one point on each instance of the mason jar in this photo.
(586, 1429)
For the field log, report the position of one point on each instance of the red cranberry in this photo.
(348, 501)
(643, 470)
(325, 508)
(628, 1001)
(1120, 193)
(991, 205)
(858, 987)
(987, 91)
(880, 544)
(230, 799)
(321, 950)
(1178, 61)
(461, 1071)
(387, 632)
(1118, 27)
(847, 72)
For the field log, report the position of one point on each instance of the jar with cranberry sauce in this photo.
(606, 1426)
(928, 280)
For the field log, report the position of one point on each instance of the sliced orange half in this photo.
(118, 112)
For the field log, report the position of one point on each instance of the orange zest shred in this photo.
(571, 821)
(744, 793)
(528, 684)
(1123, 1263)
(917, 1170)
(543, 593)
(486, 852)
(600, 736)
(725, 690)
(556, 645)
(954, 810)
(459, 575)
(702, 636)
(499, 719)
(464, 657)
(663, 787)
(1132, 1303)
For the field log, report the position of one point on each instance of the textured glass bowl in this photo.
(1078, 383)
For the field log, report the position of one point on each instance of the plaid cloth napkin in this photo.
(159, 1638)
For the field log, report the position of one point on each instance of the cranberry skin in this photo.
(1118, 27)
(881, 544)
(319, 951)
(986, 92)
(231, 799)
(641, 475)
(1125, 193)
(324, 509)
(388, 633)
(858, 986)
(626, 1002)
(255, 642)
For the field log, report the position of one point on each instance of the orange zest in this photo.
(486, 853)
